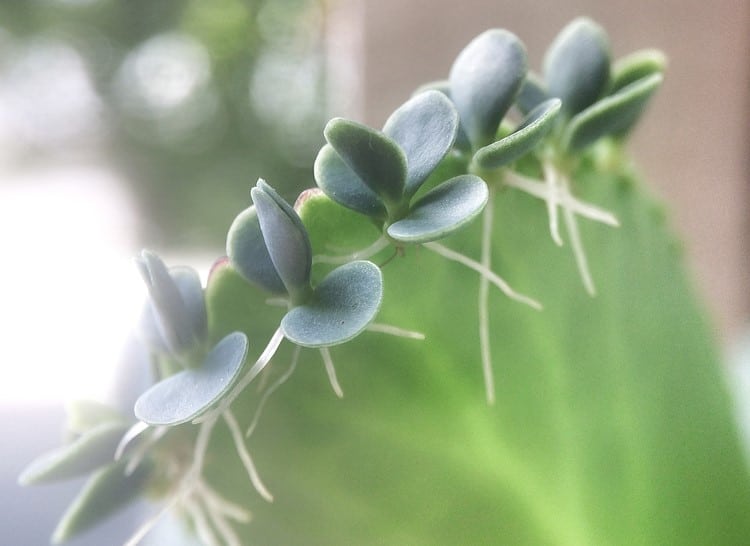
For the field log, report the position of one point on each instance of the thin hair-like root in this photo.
(394, 331)
(244, 454)
(484, 297)
(331, 371)
(271, 389)
(491, 276)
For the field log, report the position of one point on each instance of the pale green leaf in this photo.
(576, 65)
(343, 304)
(189, 393)
(485, 78)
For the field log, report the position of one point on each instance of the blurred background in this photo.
(135, 123)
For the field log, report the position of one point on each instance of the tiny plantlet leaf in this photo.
(576, 65)
(485, 78)
(191, 291)
(248, 253)
(441, 211)
(286, 239)
(107, 491)
(84, 415)
(610, 115)
(532, 93)
(444, 87)
(343, 185)
(530, 132)
(173, 314)
(189, 393)
(425, 127)
(376, 159)
(150, 330)
(636, 66)
(342, 306)
(92, 449)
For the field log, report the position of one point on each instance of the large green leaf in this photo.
(612, 423)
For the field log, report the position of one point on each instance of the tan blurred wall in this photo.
(692, 145)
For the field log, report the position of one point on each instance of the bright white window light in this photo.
(70, 293)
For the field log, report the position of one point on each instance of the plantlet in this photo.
(608, 422)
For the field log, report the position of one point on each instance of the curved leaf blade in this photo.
(532, 130)
(342, 306)
(425, 127)
(485, 79)
(248, 253)
(441, 211)
(333, 228)
(189, 393)
(636, 66)
(167, 300)
(341, 183)
(376, 159)
(576, 65)
(88, 452)
(612, 423)
(286, 239)
(106, 492)
(191, 291)
(444, 87)
(611, 115)
(149, 329)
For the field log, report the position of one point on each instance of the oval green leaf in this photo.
(532, 130)
(342, 306)
(149, 329)
(84, 415)
(636, 66)
(576, 66)
(248, 253)
(611, 115)
(171, 311)
(333, 228)
(106, 492)
(425, 127)
(485, 78)
(376, 159)
(88, 452)
(189, 393)
(342, 184)
(441, 211)
(444, 87)
(191, 291)
(286, 239)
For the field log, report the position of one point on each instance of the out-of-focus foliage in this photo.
(190, 100)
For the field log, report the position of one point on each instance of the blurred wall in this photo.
(693, 143)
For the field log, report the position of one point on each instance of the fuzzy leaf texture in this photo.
(612, 423)
(576, 65)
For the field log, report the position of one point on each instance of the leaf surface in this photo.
(425, 127)
(441, 211)
(612, 423)
(343, 304)
(191, 392)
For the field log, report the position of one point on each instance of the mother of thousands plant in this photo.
(609, 423)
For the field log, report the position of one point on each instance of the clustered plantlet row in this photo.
(391, 180)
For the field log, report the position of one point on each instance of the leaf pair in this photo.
(179, 307)
(269, 246)
(175, 317)
(597, 100)
(485, 79)
(91, 450)
(378, 173)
